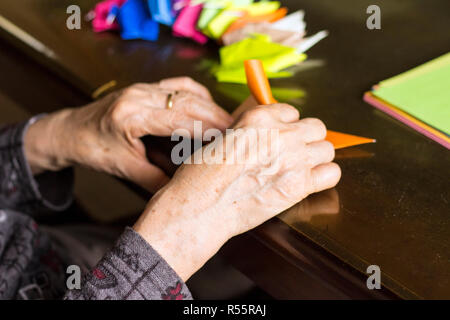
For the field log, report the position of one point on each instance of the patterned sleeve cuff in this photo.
(132, 270)
(18, 187)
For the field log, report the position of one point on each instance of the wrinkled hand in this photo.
(206, 204)
(105, 134)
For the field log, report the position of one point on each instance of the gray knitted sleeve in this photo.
(131, 270)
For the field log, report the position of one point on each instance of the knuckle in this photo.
(317, 124)
(256, 114)
(295, 113)
(187, 81)
(116, 112)
(130, 91)
(138, 85)
(338, 171)
(314, 183)
(329, 150)
(188, 100)
(287, 108)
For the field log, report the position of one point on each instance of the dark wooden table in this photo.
(391, 207)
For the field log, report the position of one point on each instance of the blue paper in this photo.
(161, 11)
(135, 21)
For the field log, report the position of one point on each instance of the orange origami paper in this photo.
(260, 88)
(257, 82)
(269, 17)
(343, 140)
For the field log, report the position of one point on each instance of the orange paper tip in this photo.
(258, 83)
(260, 88)
(343, 140)
(269, 17)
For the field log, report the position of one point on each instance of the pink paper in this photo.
(102, 10)
(186, 23)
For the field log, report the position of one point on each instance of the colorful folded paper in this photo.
(225, 18)
(185, 24)
(288, 31)
(162, 11)
(136, 22)
(248, 19)
(420, 98)
(105, 14)
(249, 29)
(274, 56)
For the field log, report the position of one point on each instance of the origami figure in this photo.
(135, 21)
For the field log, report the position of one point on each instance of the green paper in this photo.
(423, 92)
(238, 75)
(287, 94)
(222, 20)
(206, 16)
(422, 69)
(210, 10)
(219, 23)
(263, 7)
(275, 57)
(240, 92)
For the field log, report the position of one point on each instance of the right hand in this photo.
(204, 205)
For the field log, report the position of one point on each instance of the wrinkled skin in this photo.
(203, 205)
(104, 135)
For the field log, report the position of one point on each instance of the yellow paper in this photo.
(220, 23)
(275, 58)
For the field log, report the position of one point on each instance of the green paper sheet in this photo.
(220, 22)
(206, 16)
(434, 64)
(210, 10)
(240, 92)
(423, 92)
(275, 57)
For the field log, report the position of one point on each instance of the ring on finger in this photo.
(170, 97)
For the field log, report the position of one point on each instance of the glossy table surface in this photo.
(392, 206)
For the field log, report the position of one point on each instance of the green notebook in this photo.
(423, 92)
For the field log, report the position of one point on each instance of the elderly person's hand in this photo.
(206, 204)
(105, 134)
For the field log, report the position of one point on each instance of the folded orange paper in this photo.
(260, 88)
(257, 82)
(269, 17)
(344, 140)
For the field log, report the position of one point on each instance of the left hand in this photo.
(105, 135)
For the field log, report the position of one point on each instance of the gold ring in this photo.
(170, 101)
